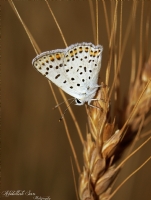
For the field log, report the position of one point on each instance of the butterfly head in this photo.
(79, 102)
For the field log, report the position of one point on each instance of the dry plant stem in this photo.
(130, 155)
(128, 178)
(97, 23)
(122, 50)
(113, 26)
(142, 104)
(117, 87)
(136, 106)
(35, 46)
(62, 93)
(61, 33)
(144, 99)
(67, 132)
(38, 51)
(74, 178)
(146, 38)
(141, 43)
(106, 19)
(110, 46)
(99, 172)
(93, 19)
(137, 136)
(147, 32)
(74, 118)
(133, 69)
(121, 20)
(144, 135)
(115, 55)
(147, 121)
(102, 145)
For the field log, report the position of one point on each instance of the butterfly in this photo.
(74, 69)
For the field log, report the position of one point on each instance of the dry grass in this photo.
(116, 125)
(105, 143)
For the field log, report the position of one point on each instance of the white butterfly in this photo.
(74, 69)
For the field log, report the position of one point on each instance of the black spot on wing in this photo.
(57, 76)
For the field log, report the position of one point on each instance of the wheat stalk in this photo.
(104, 142)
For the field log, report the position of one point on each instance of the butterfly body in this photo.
(74, 69)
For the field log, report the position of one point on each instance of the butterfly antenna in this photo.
(61, 103)
(65, 111)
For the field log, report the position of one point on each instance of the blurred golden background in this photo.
(35, 150)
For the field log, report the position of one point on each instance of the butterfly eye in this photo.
(78, 102)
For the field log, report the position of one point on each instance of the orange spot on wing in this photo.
(52, 59)
(72, 54)
(58, 56)
(92, 53)
(75, 51)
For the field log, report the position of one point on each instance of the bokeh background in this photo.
(35, 149)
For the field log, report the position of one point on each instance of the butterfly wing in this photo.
(82, 64)
(74, 69)
(51, 64)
